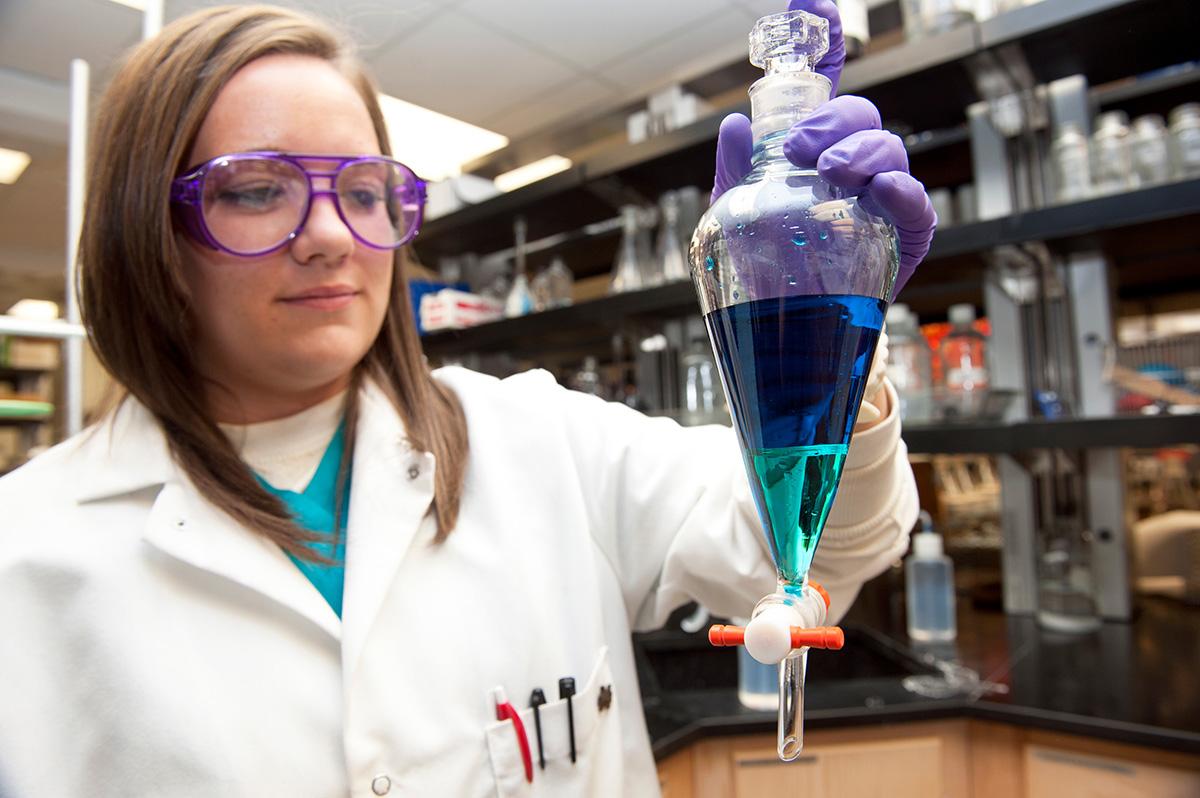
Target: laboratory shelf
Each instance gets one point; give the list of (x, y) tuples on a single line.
[(23, 421), (1176, 79), (537, 332), (926, 83), (1078, 433), (1103, 39), (1063, 226), (1072, 222), (20, 372)]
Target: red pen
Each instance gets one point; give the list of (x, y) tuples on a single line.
[(505, 711)]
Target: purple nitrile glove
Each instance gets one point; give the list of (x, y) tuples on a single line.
[(843, 139)]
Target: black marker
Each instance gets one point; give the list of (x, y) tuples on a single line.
[(536, 699), (566, 689)]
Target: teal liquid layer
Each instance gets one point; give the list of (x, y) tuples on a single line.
[(796, 486)]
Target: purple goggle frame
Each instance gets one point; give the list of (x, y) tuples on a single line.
[(187, 194)]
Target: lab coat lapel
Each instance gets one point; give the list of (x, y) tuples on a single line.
[(129, 453), (391, 492), (187, 527)]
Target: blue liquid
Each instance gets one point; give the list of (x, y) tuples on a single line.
[(794, 370)]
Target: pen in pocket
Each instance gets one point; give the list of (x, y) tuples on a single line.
[(536, 699), (566, 689)]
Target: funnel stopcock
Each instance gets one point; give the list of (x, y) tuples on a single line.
[(793, 41)]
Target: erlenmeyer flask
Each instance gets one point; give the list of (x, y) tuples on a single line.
[(627, 272), (671, 260), (794, 276)]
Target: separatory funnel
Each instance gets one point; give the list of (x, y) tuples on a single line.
[(794, 277)]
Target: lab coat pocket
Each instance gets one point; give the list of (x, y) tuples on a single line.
[(597, 770)]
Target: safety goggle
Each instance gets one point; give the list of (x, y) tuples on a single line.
[(252, 203)]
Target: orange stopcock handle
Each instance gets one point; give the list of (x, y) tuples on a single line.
[(830, 637), (817, 637)]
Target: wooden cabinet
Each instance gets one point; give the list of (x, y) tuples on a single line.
[(921, 760), (1056, 768), (675, 775), (943, 758)]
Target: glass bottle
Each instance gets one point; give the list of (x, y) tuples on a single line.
[(794, 276), (671, 260), (627, 272), (1151, 165), (587, 379), (1066, 586), (910, 364), (701, 396), (855, 30), (560, 282), (1072, 181), (539, 287), (926, 17), (1185, 141), (929, 588), (519, 299), (644, 248), (964, 363), (1112, 157)]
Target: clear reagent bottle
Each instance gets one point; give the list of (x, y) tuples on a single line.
[(929, 586), (964, 362), (910, 364)]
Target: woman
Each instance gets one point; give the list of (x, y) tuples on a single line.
[(176, 617)]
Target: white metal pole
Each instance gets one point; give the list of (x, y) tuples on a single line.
[(76, 177), (152, 18)]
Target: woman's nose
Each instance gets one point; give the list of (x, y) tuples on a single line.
[(325, 234)]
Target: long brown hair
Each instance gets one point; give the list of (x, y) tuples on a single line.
[(135, 302)]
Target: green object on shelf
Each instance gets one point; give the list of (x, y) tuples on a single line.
[(23, 408)]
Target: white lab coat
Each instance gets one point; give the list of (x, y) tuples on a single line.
[(153, 647)]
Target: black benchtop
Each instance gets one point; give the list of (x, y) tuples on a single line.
[(1135, 683)]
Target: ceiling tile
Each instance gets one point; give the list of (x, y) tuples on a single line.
[(575, 96), (459, 67), (587, 32), (719, 39), (42, 36), (371, 23)]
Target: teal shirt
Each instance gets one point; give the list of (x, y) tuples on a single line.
[(315, 509)]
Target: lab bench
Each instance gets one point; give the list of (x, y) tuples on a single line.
[(1120, 706)]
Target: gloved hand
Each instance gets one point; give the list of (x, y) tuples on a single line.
[(843, 139)]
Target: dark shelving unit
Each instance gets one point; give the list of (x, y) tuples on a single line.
[(14, 372), (542, 331), (1103, 39), (1062, 225), (1080, 433)]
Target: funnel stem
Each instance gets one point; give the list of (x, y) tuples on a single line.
[(791, 705)]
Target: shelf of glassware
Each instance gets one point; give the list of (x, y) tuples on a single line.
[(1075, 220), (897, 79), (1061, 224), (537, 330), (1068, 433)]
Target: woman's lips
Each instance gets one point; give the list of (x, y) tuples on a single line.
[(332, 297)]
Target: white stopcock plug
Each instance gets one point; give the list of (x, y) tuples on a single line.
[(781, 623)]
